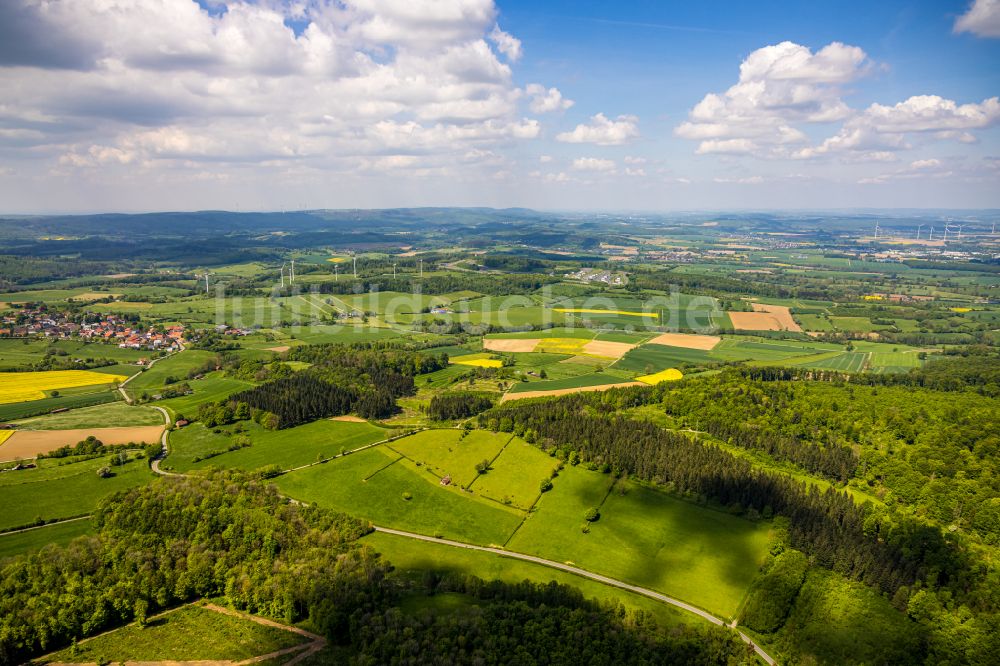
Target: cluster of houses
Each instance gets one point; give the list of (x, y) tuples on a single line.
[(592, 275), (111, 329)]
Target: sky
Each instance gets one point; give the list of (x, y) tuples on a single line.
[(142, 105)]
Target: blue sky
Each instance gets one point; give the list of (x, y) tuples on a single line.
[(569, 105)]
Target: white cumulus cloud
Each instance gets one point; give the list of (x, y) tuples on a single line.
[(603, 131), (779, 86), (545, 100), (982, 19), (593, 164)]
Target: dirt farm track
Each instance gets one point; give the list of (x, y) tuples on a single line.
[(29, 443)]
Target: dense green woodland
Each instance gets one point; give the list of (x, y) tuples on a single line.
[(224, 535), (932, 456), (362, 378)]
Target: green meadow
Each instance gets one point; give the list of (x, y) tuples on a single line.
[(698, 554), (63, 488), (196, 447)]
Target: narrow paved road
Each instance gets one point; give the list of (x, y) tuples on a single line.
[(585, 574), (121, 387), (155, 463)]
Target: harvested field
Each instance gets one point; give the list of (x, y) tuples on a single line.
[(548, 394), (348, 418), (687, 341), (93, 296), (753, 321), (607, 349), (781, 313), (764, 318), (29, 443), (511, 345), (279, 349)]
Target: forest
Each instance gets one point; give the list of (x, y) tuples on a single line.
[(939, 575)]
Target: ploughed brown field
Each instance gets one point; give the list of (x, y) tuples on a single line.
[(686, 340), (526, 345), (764, 318), (29, 443)]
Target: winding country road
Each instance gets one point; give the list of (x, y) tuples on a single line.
[(584, 574), (154, 464), (652, 594)]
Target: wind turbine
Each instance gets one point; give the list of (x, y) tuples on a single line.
[(206, 281), (291, 275), (355, 257), (932, 233), (282, 270), (876, 229), (919, 227), (960, 231)]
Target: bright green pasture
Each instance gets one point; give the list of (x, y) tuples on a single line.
[(292, 447), (853, 324), (212, 388), (371, 484), (516, 475), (19, 543), (97, 395), (412, 558), (660, 357), (703, 556), (100, 416), (449, 453), (327, 334), (63, 491), (16, 353), (177, 366), (846, 362), (812, 322), (188, 634), (595, 379)]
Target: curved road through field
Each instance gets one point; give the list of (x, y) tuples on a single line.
[(584, 574), (652, 594)]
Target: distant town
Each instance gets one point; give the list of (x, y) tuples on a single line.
[(108, 328)]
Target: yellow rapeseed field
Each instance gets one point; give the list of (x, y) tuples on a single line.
[(479, 362), (22, 386), (616, 312), (562, 345), (668, 375), (961, 310), (5, 435)]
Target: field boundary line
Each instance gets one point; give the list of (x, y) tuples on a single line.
[(583, 573), (60, 521)]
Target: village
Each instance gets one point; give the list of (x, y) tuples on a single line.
[(109, 328)]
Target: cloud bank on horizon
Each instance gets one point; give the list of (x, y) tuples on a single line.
[(152, 104)]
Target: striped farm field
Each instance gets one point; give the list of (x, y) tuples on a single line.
[(668, 375), (24, 386), (846, 362)]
